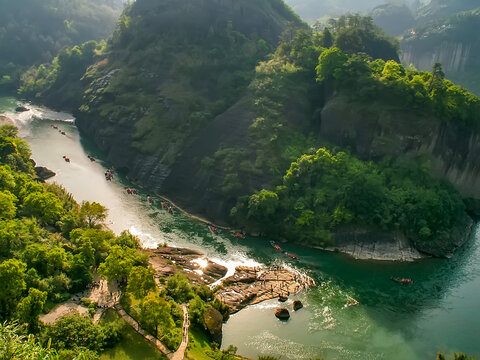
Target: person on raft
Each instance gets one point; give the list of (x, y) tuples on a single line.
[(402, 281)]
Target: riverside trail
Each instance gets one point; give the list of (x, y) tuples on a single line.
[(438, 312)]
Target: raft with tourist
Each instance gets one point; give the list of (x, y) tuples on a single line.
[(402, 280)]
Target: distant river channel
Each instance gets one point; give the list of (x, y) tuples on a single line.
[(439, 312)]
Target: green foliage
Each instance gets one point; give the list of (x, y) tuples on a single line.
[(329, 63), (120, 261), (155, 312), (94, 213), (355, 34), (75, 331), (16, 345), (7, 205), (33, 32), (140, 281), (127, 239), (93, 244), (390, 84), (12, 278), (196, 311), (45, 206), (326, 190), (59, 81), (30, 308), (179, 288)]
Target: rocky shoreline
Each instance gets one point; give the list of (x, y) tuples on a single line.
[(247, 286), (363, 244)]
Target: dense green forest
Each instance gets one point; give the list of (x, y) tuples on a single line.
[(324, 190), (33, 32), (50, 249)]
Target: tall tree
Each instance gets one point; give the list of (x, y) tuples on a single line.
[(94, 213), (155, 312), (140, 281), (12, 275), (29, 309)]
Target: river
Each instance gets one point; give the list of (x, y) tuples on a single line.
[(439, 312)]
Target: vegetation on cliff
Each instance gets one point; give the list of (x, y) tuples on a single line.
[(33, 32), (324, 191)]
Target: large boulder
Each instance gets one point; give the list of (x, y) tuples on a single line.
[(43, 173), (21, 108), (282, 313), (297, 305), (214, 322)]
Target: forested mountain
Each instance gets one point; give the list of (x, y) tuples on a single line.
[(394, 18), (33, 32), (437, 9), (185, 101), (311, 10)]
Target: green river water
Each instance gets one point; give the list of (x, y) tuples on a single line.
[(440, 311)]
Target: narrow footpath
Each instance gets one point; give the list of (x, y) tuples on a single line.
[(158, 344), (180, 353)]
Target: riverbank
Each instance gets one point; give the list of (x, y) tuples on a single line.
[(247, 286)]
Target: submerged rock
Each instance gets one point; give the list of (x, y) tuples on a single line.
[(282, 313), (297, 305)]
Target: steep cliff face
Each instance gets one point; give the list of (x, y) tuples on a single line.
[(454, 56), (452, 150), (451, 41)]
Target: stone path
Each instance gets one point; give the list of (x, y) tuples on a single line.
[(158, 344), (180, 353)]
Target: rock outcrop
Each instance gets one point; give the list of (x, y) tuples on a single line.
[(21, 108), (214, 322), (4, 120), (369, 244), (44, 173), (282, 313), (297, 305)]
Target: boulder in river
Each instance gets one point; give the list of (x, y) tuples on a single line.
[(21, 108), (282, 313), (214, 322), (297, 305), (43, 173)]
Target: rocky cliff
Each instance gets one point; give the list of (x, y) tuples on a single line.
[(451, 41), (453, 150)]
